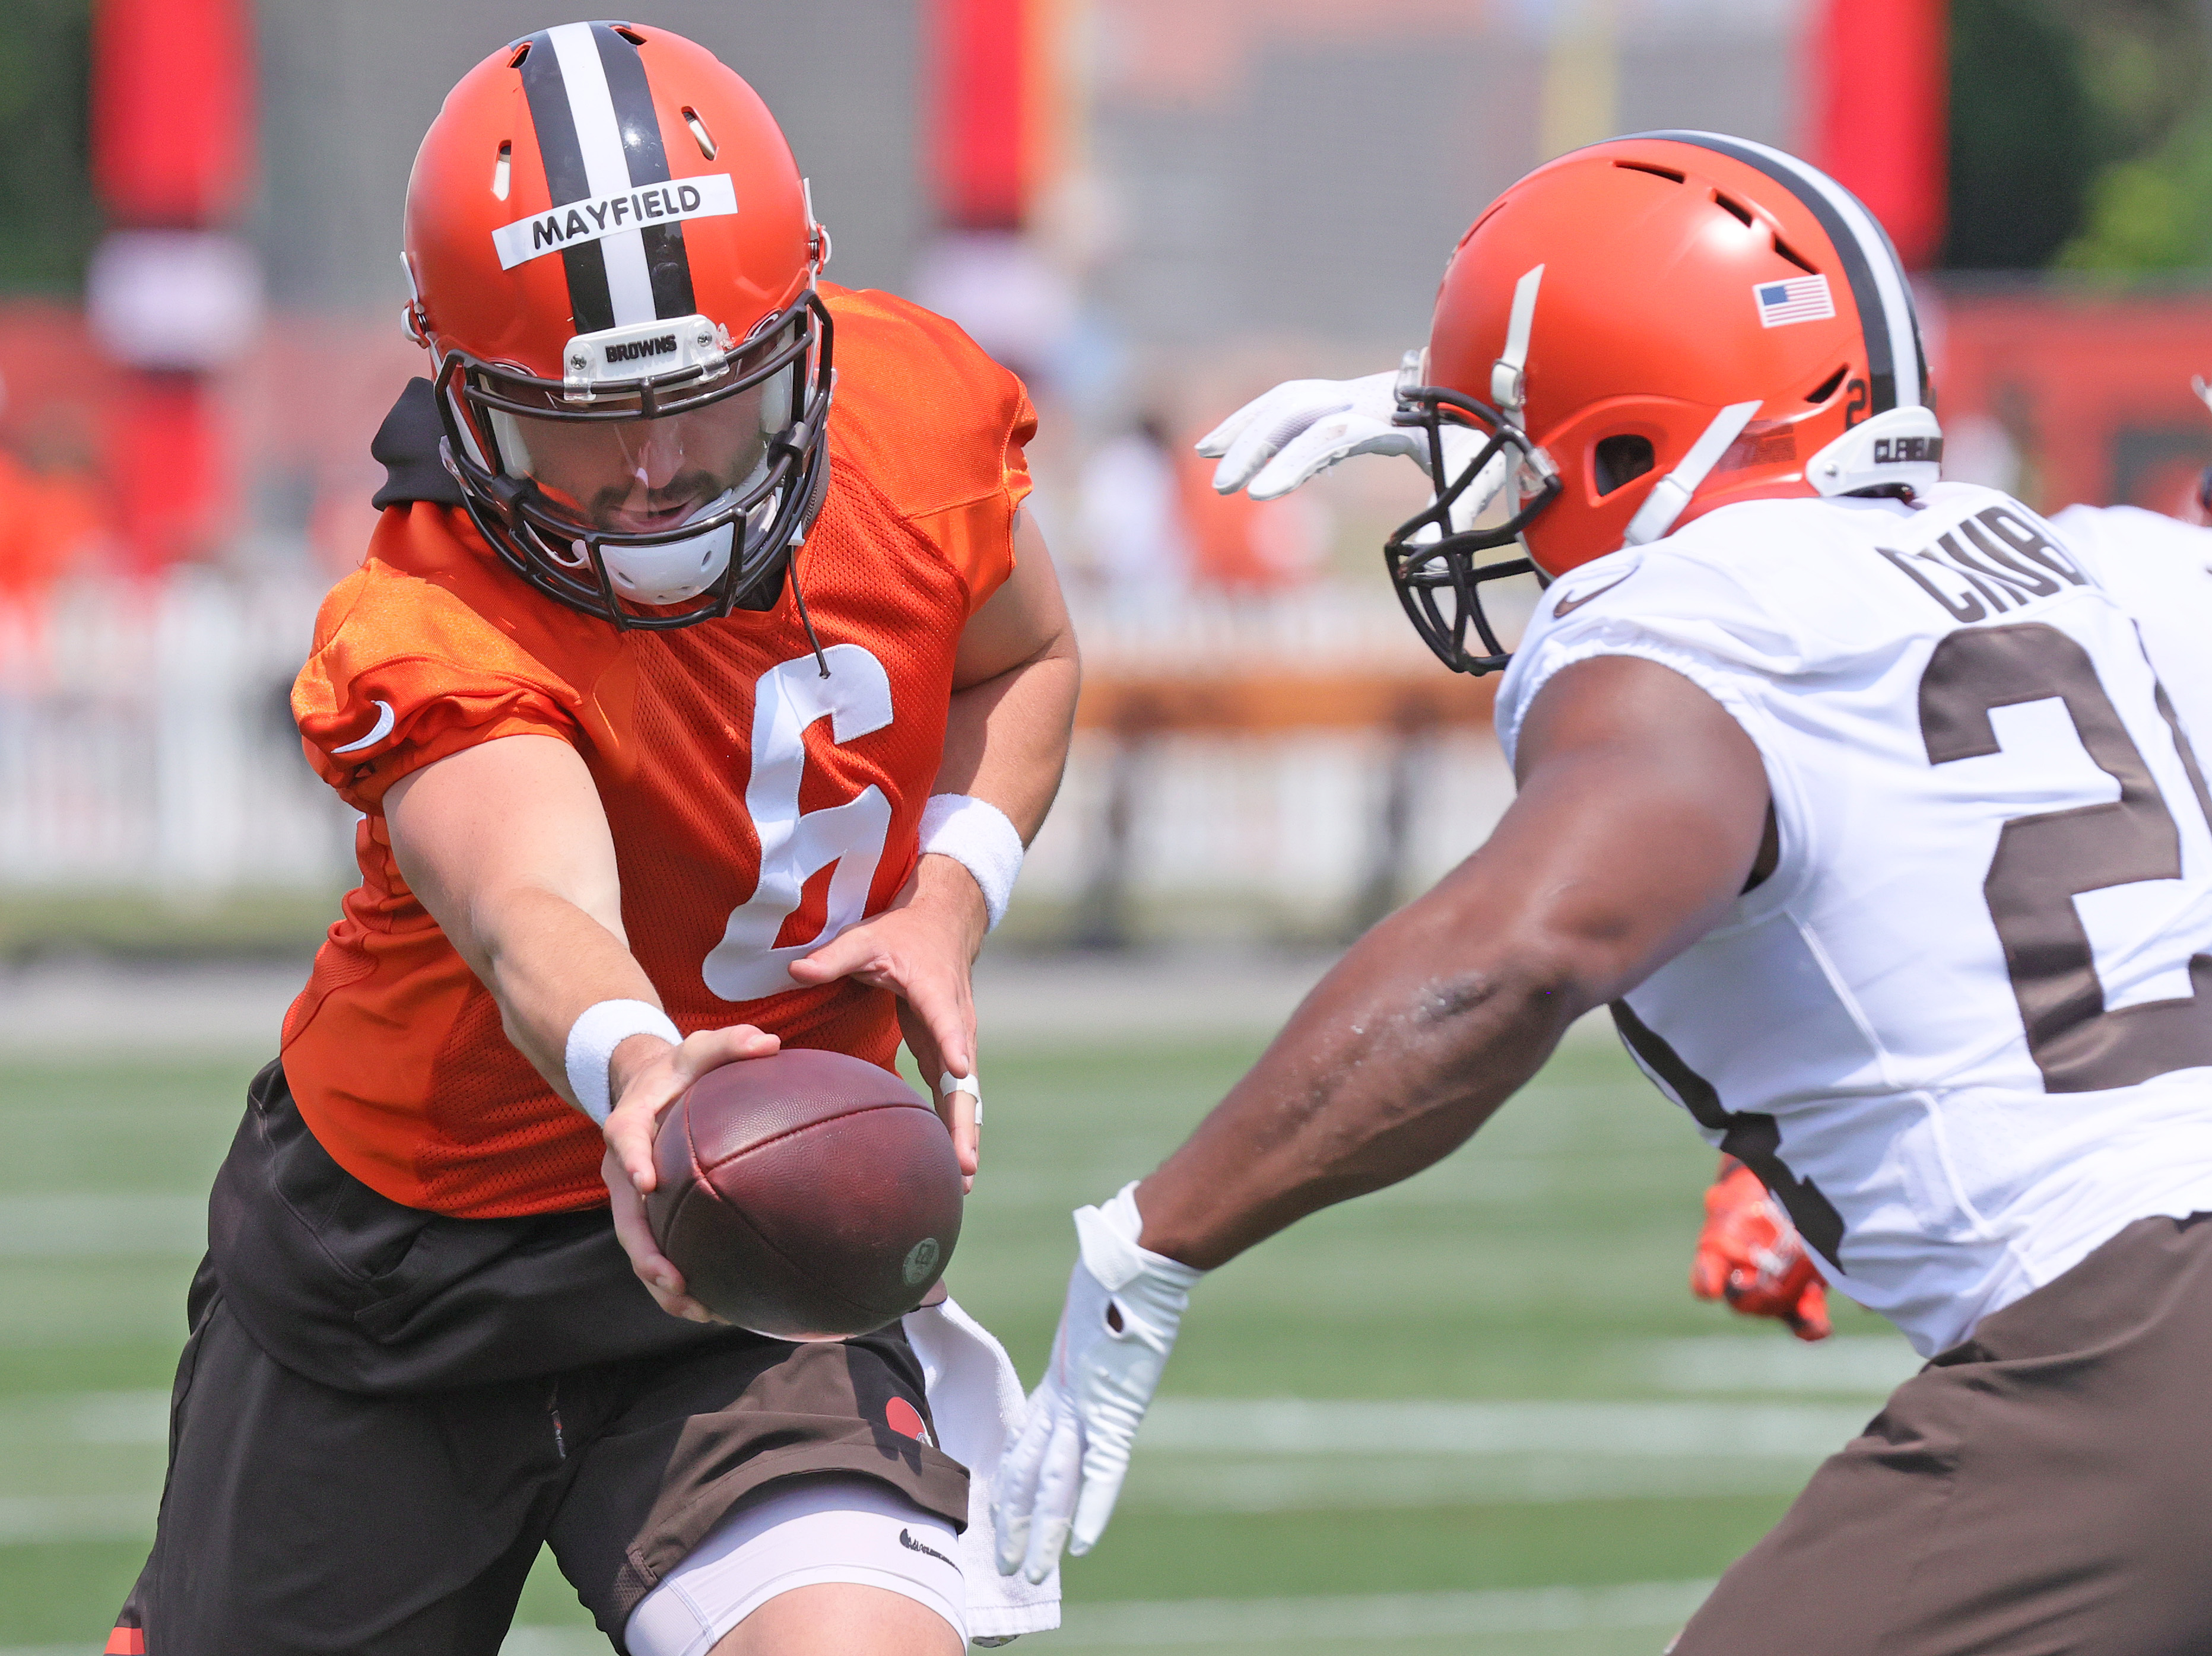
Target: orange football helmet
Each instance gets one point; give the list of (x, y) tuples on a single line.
[(613, 261), (1646, 330)]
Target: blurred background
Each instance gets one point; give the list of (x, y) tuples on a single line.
[(1478, 1413)]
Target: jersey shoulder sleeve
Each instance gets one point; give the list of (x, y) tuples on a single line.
[(2158, 570), (1775, 598), (2127, 549), (1685, 603), (424, 650), (937, 428)]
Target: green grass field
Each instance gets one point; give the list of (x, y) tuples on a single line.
[(1478, 1413)]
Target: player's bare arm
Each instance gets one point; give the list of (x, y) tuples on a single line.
[(1005, 744), (507, 846), (1641, 817), (1639, 820)]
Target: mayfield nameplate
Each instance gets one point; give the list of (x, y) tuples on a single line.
[(575, 222)]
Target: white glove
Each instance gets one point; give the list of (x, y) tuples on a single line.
[(1294, 433), (1066, 1458)]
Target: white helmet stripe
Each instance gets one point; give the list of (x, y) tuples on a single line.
[(606, 166), (1870, 263)]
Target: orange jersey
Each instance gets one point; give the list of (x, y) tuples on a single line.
[(757, 808)]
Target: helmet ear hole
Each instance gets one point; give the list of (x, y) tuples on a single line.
[(1620, 460)]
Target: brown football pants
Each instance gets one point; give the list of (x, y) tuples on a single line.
[(2043, 1490)]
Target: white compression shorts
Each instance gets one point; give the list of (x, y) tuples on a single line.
[(820, 1529)]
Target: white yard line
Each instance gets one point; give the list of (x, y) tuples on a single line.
[(90, 1417), (1346, 1619), (1299, 1426), (1870, 1364), (1373, 1617), (102, 1226), (65, 1009), (75, 1518), (1401, 1482), (1219, 1454)]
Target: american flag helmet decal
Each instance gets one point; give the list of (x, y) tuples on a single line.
[(1896, 367), (1799, 299)]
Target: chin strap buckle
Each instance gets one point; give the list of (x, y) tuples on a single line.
[(1508, 375), (1412, 375), (818, 233)]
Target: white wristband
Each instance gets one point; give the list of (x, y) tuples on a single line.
[(592, 1039), (976, 834)]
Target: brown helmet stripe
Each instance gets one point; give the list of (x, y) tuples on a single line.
[(1897, 369), (591, 305), (647, 157)]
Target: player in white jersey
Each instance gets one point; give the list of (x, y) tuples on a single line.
[(1868, 804), (2160, 570)]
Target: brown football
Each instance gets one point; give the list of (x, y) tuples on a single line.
[(807, 1195)]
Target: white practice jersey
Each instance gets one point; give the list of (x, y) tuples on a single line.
[(1964, 1029)]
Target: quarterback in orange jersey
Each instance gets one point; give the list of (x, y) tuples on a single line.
[(699, 689)]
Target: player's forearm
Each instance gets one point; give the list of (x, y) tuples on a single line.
[(1396, 1056), (507, 846), (1638, 819), (1005, 739), (546, 962)]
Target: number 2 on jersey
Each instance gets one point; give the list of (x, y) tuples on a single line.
[(2043, 862), (855, 697)]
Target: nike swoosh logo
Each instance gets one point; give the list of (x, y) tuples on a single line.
[(1571, 602), (384, 722), (906, 1540)]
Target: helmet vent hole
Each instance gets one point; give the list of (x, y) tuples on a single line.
[(1826, 388), (1730, 205), (502, 169), (629, 34), (1620, 460), (1666, 173), (1783, 249), (520, 52), (706, 139)]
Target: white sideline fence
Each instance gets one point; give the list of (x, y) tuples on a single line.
[(146, 745)]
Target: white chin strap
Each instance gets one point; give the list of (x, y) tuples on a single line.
[(674, 570), (1672, 492), (1902, 447)]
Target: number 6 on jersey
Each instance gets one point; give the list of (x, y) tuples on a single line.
[(856, 698)]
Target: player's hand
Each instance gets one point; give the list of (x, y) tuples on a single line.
[(1751, 1256), (648, 1076), (1065, 1460), (922, 948), (1292, 434)]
